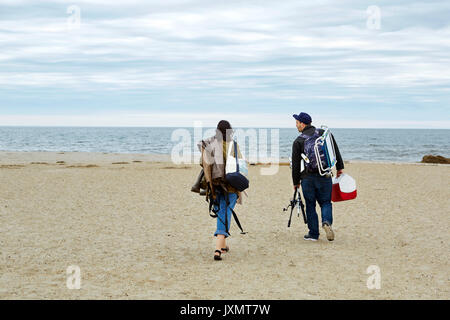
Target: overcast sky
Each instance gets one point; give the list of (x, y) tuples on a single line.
[(254, 62)]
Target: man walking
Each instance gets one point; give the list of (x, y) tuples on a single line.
[(314, 186)]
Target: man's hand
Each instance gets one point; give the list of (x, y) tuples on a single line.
[(339, 173), (296, 186)]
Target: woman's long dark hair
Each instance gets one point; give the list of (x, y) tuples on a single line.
[(224, 128)]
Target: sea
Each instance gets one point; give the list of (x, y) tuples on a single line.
[(382, 145)]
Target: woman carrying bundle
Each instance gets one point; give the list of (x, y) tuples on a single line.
[(221, 194)]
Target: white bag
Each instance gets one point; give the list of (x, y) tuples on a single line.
[(231, 161)]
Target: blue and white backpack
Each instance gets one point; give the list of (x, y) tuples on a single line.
[(319, 154)]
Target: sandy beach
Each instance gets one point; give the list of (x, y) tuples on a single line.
[(136, 231)]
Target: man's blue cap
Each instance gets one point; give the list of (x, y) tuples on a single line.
[(303, 117)]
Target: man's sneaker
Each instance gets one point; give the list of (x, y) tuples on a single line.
[(309, 237), (328, 231)]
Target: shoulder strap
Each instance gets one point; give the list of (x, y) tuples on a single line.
[(237, 221), (236, 156), (305, 136), (234, 216), (230, 146)]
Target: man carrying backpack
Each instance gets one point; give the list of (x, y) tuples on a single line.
[(314, 186)]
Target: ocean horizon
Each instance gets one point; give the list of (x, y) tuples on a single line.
[(396, 145)]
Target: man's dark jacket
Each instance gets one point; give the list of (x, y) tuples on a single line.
[(298, 149)]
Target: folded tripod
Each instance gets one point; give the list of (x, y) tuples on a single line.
[(296, 202)]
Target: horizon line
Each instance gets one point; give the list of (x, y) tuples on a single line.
[(209, 127)]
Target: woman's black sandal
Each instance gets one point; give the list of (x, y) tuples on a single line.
[(218, 258), (225, 249)]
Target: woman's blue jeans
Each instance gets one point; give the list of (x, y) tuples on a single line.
[(223, 212), (317, 188)]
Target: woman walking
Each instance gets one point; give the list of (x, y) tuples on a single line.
[(221, 194)]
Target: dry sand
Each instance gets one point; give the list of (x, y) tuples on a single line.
[(137, 232)]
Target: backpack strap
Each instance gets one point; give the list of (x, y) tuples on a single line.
[(234, 215), (237, 221)]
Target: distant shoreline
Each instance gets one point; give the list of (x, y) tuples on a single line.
[(27, 157), (208, 127)]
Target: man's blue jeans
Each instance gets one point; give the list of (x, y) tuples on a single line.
[(317, 188)]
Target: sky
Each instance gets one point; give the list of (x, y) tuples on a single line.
[(350, 64)]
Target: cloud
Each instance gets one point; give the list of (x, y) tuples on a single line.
[(270, 50), (180, 119)]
